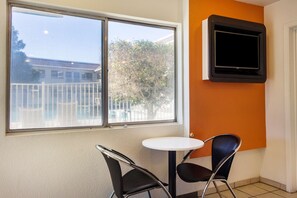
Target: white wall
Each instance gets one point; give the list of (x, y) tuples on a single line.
[(66, 163), (276, 16)]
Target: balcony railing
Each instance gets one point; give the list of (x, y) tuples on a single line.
[(70, 104)]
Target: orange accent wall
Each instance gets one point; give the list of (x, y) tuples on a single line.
[(217, 108)]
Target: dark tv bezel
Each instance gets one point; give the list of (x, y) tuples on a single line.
[(236, 74)]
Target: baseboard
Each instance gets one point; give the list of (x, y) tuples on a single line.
[(273, 183)]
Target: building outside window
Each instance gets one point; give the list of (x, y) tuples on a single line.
[(56, 80), (54, 74), (87, 76), (68, 76), (41, 73), (76, 76), (60, 75)]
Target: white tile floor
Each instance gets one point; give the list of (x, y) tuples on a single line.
[(255, 190)]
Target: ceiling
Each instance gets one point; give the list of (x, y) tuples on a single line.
[(259, 2)]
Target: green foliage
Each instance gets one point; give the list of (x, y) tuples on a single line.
[(20, 70), (143, 72)]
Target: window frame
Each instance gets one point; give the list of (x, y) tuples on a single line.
[(105, 18), (175, 73)]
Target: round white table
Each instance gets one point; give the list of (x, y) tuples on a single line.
[(172, 144)]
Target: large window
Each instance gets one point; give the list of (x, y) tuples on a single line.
[(64, 73), (141, 73)]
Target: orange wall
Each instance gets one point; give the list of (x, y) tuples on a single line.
[(217, 108)]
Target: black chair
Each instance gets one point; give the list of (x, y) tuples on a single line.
[(224, 148), (136, 180)]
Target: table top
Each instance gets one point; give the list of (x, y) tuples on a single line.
[(173, 143)]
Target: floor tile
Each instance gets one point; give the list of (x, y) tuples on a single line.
[(285, 194), (214, 195), (190, 195), (238, 193), (255, 190), (252, 190), (269, 195), (265, 186)]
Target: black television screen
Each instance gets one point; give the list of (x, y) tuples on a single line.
[(236, 50)]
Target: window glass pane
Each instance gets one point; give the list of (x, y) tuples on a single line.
[(141, 73), (49, 53)]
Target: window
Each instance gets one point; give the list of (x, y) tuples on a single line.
[(141, 73), (54, 42), (68, 76), (140, 82), (40, 73), (57, 74), (87, 76), (76, 76), (60, 75), (54, 74)]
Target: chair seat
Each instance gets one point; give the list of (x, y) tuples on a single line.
[(136, 181), (189, 172)]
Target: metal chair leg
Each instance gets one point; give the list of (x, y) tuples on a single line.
[(112, 194), (149, 194), (205, 188), (218, 191), (230, 189)]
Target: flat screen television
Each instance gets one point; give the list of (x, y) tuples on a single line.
[(234, 50)]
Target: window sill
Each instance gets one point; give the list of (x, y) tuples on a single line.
[(92, 130)]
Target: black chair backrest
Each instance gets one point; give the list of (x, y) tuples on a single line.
[(115, 172), (222, 147)]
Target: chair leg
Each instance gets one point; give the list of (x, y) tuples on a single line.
[(218, 191), (205, 188), (149, 194), (112, 194), (230, 189)]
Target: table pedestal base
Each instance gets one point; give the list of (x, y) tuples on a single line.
[(172, 172)]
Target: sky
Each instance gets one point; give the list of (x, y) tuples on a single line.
[(71, 38)]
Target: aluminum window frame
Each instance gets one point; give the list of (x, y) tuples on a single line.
[(175, 73), (105, 18)]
